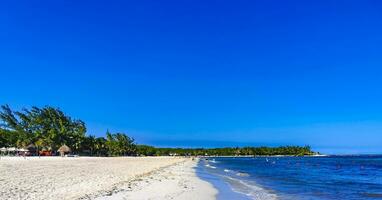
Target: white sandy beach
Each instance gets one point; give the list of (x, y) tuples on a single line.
[(101, 178)]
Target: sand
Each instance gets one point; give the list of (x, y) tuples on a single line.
[(101, 178), (175, 182)]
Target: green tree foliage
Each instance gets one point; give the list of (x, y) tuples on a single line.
[(120, 144), (228, 151), (46, 127), (7, 138), (146, 150), (49, 128), (88, 145), (100, 148)]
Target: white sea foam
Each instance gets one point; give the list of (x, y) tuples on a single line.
[(242, 174), (214, 161), (210, 166), (250, 189)]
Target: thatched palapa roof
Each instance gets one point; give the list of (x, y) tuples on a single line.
[(64, 148)]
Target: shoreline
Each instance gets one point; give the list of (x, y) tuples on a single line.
[(102, 178), (178, 181), (225, 190), (233, 183)]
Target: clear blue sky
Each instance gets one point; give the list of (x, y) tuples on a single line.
[(202, 73)]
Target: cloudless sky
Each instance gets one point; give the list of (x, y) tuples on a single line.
[(202, 73)]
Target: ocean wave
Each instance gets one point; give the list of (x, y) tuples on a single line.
[(210, 166), (249, 189), (243, 174), (237, 173)]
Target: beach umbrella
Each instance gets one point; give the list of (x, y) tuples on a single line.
[(23, 150), (12, 149)]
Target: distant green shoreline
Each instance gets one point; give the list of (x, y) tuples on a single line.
[(260, 156), (228, 151), (48, 131)]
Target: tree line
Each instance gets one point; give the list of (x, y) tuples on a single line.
[(226, 151), (48, 128)]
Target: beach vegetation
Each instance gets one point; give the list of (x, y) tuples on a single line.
[(49, 128)]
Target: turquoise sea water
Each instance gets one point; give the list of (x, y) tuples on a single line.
[(295, 178)]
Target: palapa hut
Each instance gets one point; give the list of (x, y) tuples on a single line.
[(64, 150), (12, 151), (3, 150)]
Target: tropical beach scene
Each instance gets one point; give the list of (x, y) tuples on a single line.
[(190, 100)]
